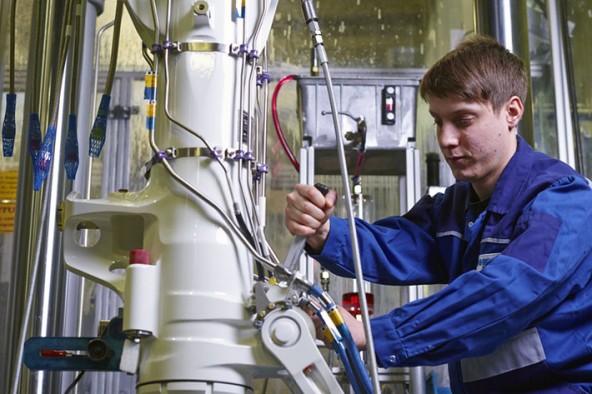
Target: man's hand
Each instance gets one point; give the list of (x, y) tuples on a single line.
[(355, 326), (307, 214)]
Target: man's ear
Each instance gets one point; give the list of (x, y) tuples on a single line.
[(514, 111)]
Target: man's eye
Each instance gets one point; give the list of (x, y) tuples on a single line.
[(463, 122)]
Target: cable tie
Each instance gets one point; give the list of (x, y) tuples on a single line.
[(243, 48), (249, 156)]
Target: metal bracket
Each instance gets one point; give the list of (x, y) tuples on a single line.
[(101, 353)]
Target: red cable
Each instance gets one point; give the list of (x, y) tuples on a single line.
[(358, 168), (276, 121)]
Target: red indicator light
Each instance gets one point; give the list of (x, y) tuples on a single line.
[(351, 302), (54, 353), (389, 104)]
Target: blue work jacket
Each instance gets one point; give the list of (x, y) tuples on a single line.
[(516, 314)]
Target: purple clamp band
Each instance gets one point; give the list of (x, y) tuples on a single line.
[(254, 54), (263, 168), (258, 173), (156, 48), (263, 77), (216, 153), (160, 156), (157, 158), (239, 154)]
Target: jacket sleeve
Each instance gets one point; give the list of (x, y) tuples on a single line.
[(548, 261), (394, 251)]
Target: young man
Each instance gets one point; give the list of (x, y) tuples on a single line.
[(511, 239)]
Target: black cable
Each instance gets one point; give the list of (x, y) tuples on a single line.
[(245, 230), (12, 56), (74, 383)]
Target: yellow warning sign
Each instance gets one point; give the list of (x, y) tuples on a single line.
[(7, 212), (8, 186)]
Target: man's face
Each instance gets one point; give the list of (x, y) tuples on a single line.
[(476, 142)]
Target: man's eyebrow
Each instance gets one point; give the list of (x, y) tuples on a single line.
[(462, 111)]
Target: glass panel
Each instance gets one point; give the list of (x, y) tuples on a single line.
[(578, 14), (543, 102)]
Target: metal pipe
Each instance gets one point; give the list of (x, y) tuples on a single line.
[(570, 86), (506, 21), (27, 207), (5, 239), (563, 103), (36, 245), (312, 23), (87, 88), (75, 294)]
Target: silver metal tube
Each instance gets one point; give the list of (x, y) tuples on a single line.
[(37, 275), (506, 21), (412, 194), (312, 23), (28, 204), (565, 130), (86, 98), (5, 239)]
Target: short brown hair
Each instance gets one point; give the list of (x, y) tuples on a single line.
[(480, 69)]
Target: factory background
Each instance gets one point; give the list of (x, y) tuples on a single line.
[(368, 40)]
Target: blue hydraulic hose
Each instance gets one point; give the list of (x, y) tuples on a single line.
[(358, 366), (337, 345), (34, 136), (43, 162), (71, 160), (353, 354), (99, 130), (9, 125), (349, 371)]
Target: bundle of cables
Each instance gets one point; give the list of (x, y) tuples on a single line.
[(338, 335)]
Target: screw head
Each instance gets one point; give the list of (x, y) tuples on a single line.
[(201, 7)]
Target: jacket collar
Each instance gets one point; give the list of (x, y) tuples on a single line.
[(512, 179)]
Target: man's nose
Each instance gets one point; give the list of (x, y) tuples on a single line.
[(448, 135)]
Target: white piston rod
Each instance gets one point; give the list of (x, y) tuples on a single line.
[(199, 335)]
